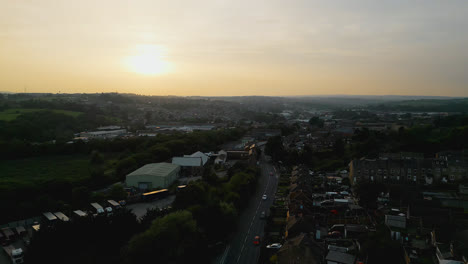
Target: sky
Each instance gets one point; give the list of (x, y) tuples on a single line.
[(231, 48)]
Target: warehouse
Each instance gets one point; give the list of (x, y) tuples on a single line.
[(153, 175)]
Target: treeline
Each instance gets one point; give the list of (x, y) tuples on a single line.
[(449, 133), (110, 161), (46, 125)]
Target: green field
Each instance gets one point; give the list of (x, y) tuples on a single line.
[(43, 169), (12, 114)]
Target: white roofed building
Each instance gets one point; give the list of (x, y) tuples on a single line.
[(190, 166)]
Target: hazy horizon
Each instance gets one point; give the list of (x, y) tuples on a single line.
[(242, 48)]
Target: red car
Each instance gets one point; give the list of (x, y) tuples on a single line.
[(256, 240)]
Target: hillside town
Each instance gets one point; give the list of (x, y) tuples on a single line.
[(316, 186)]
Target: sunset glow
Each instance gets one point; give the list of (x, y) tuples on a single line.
[(240, 47), (150, 60)]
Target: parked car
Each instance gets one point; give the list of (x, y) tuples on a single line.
[(274, 245)]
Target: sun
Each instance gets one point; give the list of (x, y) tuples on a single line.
[(150, 60)]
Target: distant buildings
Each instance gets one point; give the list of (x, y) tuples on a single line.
[(103, 134), (411, 167)]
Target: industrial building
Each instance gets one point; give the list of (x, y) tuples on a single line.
[(153, 175)]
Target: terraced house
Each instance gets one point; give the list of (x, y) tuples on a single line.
[(406, 170)]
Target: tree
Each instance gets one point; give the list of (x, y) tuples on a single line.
[(117, 192), (316, 121), (339, 147), (96, 158), (274, 148), (80, 196), (368, 193), (175, 238)]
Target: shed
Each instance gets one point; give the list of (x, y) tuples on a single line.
[(153, 175)]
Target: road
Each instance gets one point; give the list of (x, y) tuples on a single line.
[(241, 249)]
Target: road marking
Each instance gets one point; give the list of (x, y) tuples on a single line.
[(253, 219), (223, 259)]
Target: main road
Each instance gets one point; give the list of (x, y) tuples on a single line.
[(241, 248)]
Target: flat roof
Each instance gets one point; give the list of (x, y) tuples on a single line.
[(96, 206), (80, 213), (113, 203), (20, 229), (188, 161), (62, 216), (155, 169), (50, 216)]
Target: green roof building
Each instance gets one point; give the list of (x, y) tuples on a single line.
[(153, 175)]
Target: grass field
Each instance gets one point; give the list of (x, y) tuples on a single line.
[(42, 169), (12, 114)]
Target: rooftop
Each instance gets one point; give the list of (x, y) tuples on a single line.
[(155, 169), (188, 161), (340, 257)]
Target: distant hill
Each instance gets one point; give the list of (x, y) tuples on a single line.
[(425, 105)]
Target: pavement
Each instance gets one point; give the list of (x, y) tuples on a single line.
[(139, 209), (241, 248)]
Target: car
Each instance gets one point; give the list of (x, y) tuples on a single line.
[(256, 240), (262, 215), (334, 234), (271, 173), (264, 197), (274, 245)]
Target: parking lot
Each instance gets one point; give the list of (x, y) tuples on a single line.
[(139, 209)]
